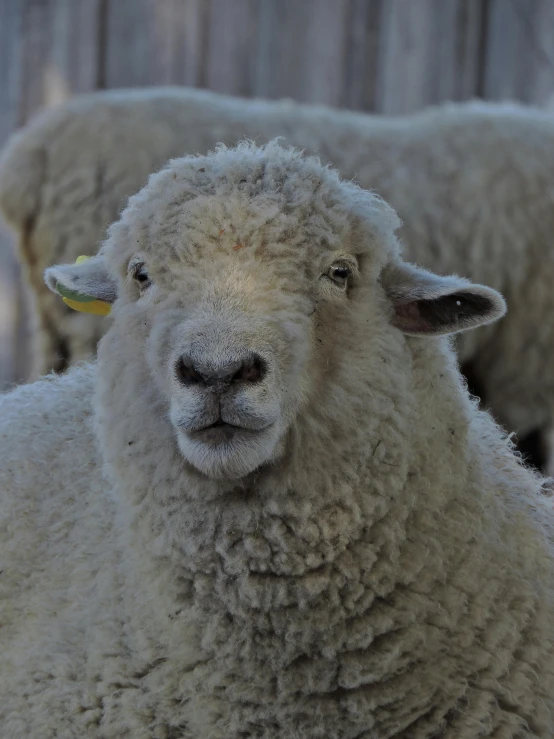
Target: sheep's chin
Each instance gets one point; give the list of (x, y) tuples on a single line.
[(232, 459)]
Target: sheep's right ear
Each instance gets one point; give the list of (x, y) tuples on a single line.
[(85, 286), (426, 304)]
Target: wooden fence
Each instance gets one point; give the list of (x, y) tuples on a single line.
[(390, 56)]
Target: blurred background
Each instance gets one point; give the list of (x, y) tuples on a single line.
[(382, 56)]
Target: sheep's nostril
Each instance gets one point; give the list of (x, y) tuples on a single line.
[(253, 370), (186, 374)]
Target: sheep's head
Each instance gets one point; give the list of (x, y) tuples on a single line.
[(246, 282)]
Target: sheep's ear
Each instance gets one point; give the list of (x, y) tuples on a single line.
[(425, 304), (85, 286)]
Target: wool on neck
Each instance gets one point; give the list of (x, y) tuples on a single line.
[(314, 581)]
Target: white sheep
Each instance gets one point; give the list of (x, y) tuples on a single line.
[(473, 183), (270, 509)]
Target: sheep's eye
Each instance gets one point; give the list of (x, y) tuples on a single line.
[(141, 276), (339, 273)]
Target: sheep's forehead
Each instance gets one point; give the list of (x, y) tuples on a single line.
[(238, 229), (247, 204)]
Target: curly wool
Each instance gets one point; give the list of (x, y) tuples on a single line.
[(390, 576), (472, 183)]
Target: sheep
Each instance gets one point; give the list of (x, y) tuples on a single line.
[(270, 508), (472, 182)]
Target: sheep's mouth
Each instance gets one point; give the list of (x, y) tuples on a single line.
[(223, 450), (221, 431), (220, 423)]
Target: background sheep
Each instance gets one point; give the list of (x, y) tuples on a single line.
[(306, 527), (472, 182)]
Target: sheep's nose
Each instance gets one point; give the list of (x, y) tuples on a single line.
[(249, 369)]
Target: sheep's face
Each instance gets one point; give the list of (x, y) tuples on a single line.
[(241, 328), (232, 349), (249, 283)]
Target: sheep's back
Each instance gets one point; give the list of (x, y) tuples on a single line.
[(55, 526), (49, 474)]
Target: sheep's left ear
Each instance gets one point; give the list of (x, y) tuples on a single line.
[(425, 304), (85, 286)]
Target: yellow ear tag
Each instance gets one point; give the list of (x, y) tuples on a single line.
[(96, 307), (83, 303)]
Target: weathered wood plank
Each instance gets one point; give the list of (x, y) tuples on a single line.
[(538, 35), (140, 41), (325, 47), (359, 82), (232, 46), (519, 57), (454, 56), (59, 54), (187, 28), (76, 43), (281, 44), (59, 51), (430, 52), (36, 21), (10, 34), (10, 69), (506, 62), (301, 50), (132, 58), (468, 57), (402, 63), (9, 291)]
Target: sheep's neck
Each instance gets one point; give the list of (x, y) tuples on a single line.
[(287, 588), (310, 583), (325, 601)]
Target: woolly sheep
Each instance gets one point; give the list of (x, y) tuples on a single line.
[(270, 509), (473, 183)]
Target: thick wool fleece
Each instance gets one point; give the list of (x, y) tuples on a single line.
[(390, 575), (472, 182)]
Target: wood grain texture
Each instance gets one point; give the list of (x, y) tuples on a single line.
[(231, 46), (390, 56), (48, 51), (429, 51), (519, 61), (188, 37), (362, 43), (11, 326), (59, 52)]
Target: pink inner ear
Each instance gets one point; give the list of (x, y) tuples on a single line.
[(408, 317)]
